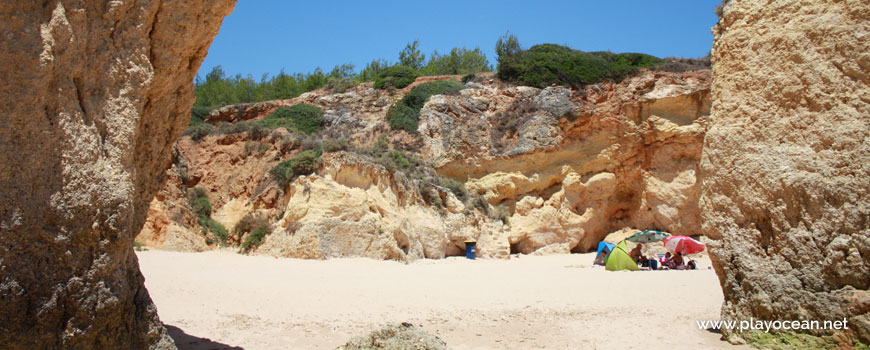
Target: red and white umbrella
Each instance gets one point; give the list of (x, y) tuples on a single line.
[(684, 245)]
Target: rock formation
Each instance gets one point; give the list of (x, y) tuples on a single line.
[(573, 166), (547, 171), (94, 95), (785, 163), (355, 208), (394, 337)]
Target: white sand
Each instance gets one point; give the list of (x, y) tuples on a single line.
[(531, 302)]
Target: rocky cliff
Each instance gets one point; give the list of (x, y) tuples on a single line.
[(94, 95), (545, 170), (785, 163), (573, 166)]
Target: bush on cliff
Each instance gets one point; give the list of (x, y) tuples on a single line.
[(305, 163), (198, 114), (395, 77), (253, 228), (303, 117), (254, 238), (458, 61), (458, 188), (198, 132), (547, 64), (201, 206), (405, 114)]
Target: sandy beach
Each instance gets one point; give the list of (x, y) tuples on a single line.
[(226, 300)]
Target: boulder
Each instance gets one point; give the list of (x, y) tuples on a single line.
[(94, 95), (395, 337), (784, 168)]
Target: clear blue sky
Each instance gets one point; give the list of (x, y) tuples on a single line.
[(264, 36)]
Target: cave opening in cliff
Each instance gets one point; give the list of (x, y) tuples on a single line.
[(455, 249)]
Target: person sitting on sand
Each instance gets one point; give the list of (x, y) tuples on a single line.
[(676, 262), (665, 261), (636, 254)]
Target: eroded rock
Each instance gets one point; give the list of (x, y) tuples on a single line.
[(556, 169), (395, 337), (785, 163), (353, 207), (95, 93)]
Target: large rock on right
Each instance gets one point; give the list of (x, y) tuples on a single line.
[(785, 168)]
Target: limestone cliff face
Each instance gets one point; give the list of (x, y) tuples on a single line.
[(94, 95), (547, 171), (353, 207), (573, 166), (785, 163)]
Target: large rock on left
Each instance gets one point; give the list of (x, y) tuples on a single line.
[(94, 93)]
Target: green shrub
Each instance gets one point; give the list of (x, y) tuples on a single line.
[(305, 163), (468, 77), (546, 64), (198, 132), (274, 122), (232, 128), (373, 69), (459, 61), (257, 131), (303, 117), (395, 77), (382, 144), (340, 85), (334, 145), (420, 93), (458, 188), (201, 207), (255, 147), (402, 160), (216, 228), (405, 114), (394, 160), (245, 225), (249, 224), (199, 203), (198, 114), (402, 117), (254, 238)]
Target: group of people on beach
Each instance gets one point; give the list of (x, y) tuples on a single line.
[(668, 262)]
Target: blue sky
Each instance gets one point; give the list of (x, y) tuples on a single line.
[(264, 36)]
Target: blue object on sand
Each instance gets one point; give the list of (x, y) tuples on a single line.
[(470, 249)]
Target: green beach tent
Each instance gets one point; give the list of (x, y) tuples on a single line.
[(620, 260)]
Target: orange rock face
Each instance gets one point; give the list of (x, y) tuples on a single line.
[(95, 94), (784, 166), (547, 171)]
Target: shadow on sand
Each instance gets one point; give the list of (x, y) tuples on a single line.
[(186, 341)]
